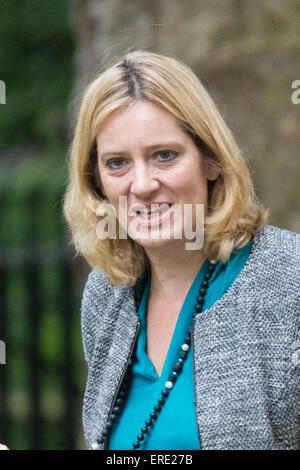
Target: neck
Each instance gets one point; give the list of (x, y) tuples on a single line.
[(173, 270)]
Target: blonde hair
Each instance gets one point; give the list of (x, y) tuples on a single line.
[(234, 212)]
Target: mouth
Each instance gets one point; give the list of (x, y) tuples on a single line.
[(156, 214), (156, 210)]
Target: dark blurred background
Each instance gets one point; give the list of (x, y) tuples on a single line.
[(246, 54)]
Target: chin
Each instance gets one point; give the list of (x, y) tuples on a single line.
[(156, 242), (152, 243)]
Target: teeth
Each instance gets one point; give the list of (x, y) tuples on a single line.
[(151, 214), (146, 215)]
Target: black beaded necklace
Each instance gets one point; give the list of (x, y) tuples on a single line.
[(177, 369)]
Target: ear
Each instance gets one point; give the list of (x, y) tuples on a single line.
[(212, 175), (211, 172)]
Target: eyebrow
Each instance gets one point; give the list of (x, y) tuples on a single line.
[(147, 148)]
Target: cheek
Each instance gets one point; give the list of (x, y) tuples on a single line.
[(188, 182), (179, 179), (192, 190), (113, 187)]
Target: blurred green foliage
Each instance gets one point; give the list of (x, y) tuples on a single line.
[(31, 201), (36, 63)]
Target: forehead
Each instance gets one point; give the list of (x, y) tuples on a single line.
[(143, 118)]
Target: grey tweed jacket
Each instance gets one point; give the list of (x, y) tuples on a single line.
[(246, 351)]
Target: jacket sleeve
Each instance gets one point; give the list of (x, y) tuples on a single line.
[(90, 304), (86, 330)]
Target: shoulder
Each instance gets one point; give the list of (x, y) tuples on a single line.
[(96, 287), (272, 275), (276, 248), (97, 299), (100, 307), (98, 290), (274, 261), (99, 296), (274, 237), (269, 283)]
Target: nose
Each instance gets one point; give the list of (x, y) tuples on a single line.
[(144, 182)]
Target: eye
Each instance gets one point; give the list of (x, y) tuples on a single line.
[(114, 163), (167, 155)]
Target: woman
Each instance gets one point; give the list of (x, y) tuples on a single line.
[(188, 346)]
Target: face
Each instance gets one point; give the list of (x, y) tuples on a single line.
[(145, 156)]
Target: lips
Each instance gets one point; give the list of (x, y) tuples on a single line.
[(155, 208), (154, 211), (151, 218)]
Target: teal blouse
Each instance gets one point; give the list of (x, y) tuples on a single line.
[(176, 425)]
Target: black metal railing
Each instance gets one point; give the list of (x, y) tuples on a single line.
[(41, 382)]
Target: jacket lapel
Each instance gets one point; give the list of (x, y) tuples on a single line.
[(107, 376)]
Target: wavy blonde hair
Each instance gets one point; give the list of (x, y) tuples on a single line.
[(234, 213)]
